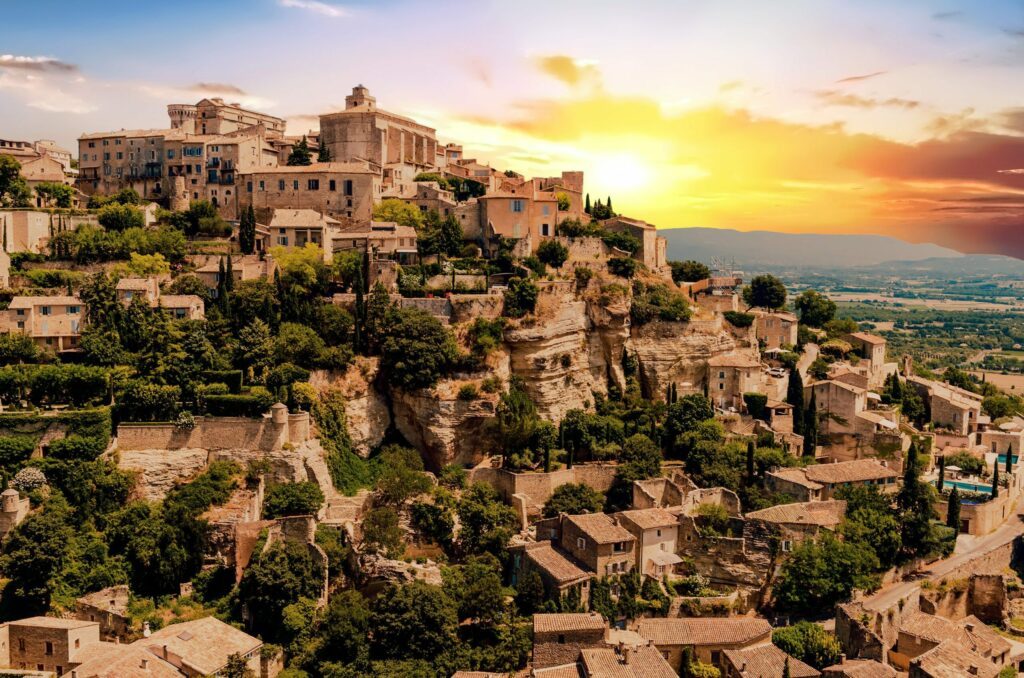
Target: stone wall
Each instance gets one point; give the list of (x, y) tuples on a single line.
[(216, 433), (467, 307), (537, 488), (563, 647)]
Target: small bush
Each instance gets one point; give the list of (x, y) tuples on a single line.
[(491, 385), (253, 404), (520, 298), (232, 378), (292, 499), (622, 267), (469, 392), (739, 319)]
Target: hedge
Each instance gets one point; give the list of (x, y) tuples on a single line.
[(77, 448), (76, 385), (757, 405), (15, 449), (738, 319), (88, 422), (252, 405), (141, 401), (232, 378)]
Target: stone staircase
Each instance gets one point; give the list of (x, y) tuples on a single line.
[(338, 508)]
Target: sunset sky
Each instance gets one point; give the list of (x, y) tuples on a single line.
[(902, 118)]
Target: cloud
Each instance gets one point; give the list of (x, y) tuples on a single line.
[(946, 124), (836, 98), (322, 8), (946, 16), (35, 64), (730, 86), (217, 88), (567, 69), (1011, 171), (859, 78), (1012, 119)]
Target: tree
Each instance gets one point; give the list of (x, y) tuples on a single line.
[(623, 267), (995, 480), (953, 510), (255, 348), (55, 193), (292, 499), (689, 271), (817, 575), (14, 190), (414, 621), (247, 230), (417, 349), (553, 253), (344, 630), (477, 590), (915, 506), (808, 642), (301, 154), (815, 309), (810, 426), (685, 414), (236, 668), (487, 522), (750, 461), (401, 477), (33, 556), (765, 291), (398, 211), (520, 298), (530, 592), (586, 207), (573, 499), (323, 153), (382, 532), (795, 397), (116, 217), (281, 575)]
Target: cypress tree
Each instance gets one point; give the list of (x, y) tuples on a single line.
[(247, 230), (995, 482), (360, 312), (953, 510), (586, 207), (750, 460), (914, 505), (942, 472), (811, 427), (1009, 459), (229, 276), (324, 154), (795, 397), (610, 212)]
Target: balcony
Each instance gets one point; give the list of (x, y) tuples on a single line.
[(213, 162), (227, 179)]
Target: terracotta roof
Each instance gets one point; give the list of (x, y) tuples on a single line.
[(637, 662), (553, 562), (704, 630), (110, 660), (573, 621), (797, 476), (142, 284), (970, 632), (859, 668), (867, 338), (950, 659), (822, 513), (112, 599), (179, 300), (127, 133), (734, 360), (52, 623), (647, 519), (848, 471), (563, 671), (601, 528), (767, 661), (29, 302), (299, 217), (204, 645)]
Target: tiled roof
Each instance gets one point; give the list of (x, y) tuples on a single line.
[(767, 661), (950, 659), (601, 528), (704, 630), (859, 668), (128, 133), (203, 644), (848, 471), (52, 623), (110, 660), (647, 519), (555, 563), (795, 475), (299, 217), (867, 338), (134, 284), (822, 513), (970, 632), (179, 300), (573, 621), (563, 671), (29, 302), (638, 662)]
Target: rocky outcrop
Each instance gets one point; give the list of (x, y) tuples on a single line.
[(442, 427), (366, 409), (160, 470), (677, 352), (376, 571)]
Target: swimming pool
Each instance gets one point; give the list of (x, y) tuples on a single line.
[(1002, 460), (964, 485)]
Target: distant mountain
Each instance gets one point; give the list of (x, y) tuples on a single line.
[(815, 250), (969, 264)]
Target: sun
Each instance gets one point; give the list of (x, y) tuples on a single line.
[(620, 174)]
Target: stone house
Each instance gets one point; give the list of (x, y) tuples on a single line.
[(297, 227), (708, 637), (243, 267), (622, 661), (13, 509), (46, 643), (23, 230), (214, 116), (560, 575), (653, 249), (820, 481), (999, 442), (730, 375), (180, 306), (869, 347), (794, 523), (952, 408), (859, 668), (764, 661), (920, 632), (385, 239), (776, 329), (427, 196), (558, 638), (657, 533), (53, 322), (598, 542), (851, 409), (109, 608), (951, 658), (520, 214), (338, 189)]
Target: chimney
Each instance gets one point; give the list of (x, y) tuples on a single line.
[(973, 669), (164, 652), (626, 652), (969, 626), (842, 658), (145, 630), (144, 664)]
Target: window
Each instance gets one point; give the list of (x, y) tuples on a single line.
[(561, 639), (73, 310), (313, 185), (518, 205), (49, 649), (581, 543), (106, 156), (248, 186), (787, 545), (332, 185), (545, 229), (546, 210), (282, 240), (45, 310), (721, 375), (21, 644), (619, 547), (295, 185), (659, 533), (721, 386), (263, 186), (92, 144), (280, 185), (348, 187)]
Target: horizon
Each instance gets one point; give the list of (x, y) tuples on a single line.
[(912, 116)]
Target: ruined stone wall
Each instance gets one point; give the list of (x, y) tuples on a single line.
[(214, 433), (537, 488), (467, 307)]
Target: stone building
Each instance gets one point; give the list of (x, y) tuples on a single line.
[(952, 409), (520, 213), (859, 668), (31, 230), (598, 542), (776, 329), (385, 239), (109, 608), (13, 509), (819, 482), (791, 524), (179, 306), (560, 574), (297, 227), (53, 322), (920, 632), (730, 375), (400, 146), (764, 661), (951, 658), (657, 533), (46, 643), (558, 638), (243, 267), (653, 252), (707, 637), (338, 189), (213, 116)]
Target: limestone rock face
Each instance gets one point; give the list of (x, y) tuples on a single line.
[(678, 352), (366, 409), (443, 428), (160, 470)]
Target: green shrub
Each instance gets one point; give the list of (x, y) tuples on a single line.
[(553, 253), (485, 335), (468, 392), (292, 499), (77, 448), (757, 405), (141, 401), (232, 378), (739, 319), (491, 384), (520, 298), (15, 449), (622, 267), (253, 404), (658, 301)]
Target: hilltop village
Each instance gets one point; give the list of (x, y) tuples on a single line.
[(354, 403)]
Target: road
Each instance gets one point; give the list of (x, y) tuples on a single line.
[(809, 355), (887, 596)]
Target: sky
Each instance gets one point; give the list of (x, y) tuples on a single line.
[(899, 118)]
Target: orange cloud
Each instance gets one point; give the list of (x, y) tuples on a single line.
[(567, 69)]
